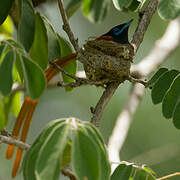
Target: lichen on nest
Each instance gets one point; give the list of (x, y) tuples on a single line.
[(107, 61)]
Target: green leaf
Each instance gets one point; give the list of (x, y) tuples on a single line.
[(7, 27), (8, 104), (65, 46), (169, 9), (54, 50), (5, 109), (34, 76), (156, 76), (94, 10), (95, 130), (33, 153), (104, 165), (19, 67), (50, 155), (7, 101), (144, 172), (85, 157), (66, 157), (150, 177), (27, 24), (17, 46), (2, 114), (171, 98), (5, 50), (39, 50), (162, 85), (122, 172), (72, 7), (135, 5), (6, 77), (70, 68), (1, 49), (131, 5), (16, 104), (120, 4), (149, 170), (140, 175), (5, 7), (176, 116)]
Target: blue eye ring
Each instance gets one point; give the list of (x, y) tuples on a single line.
[(116, 31)]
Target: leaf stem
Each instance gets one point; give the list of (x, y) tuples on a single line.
[(169, 176)]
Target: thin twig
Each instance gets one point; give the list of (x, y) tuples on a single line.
[(134, 80), (68, 173), (63, 71), (162, 50), (12, 141), (105, 98), (66, 26), (4, 132), (144, 23), (16, 88), (79, 81), (169, 176)]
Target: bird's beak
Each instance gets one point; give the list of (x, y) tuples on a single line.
[(129, 22)]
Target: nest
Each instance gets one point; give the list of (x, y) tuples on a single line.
[(107, 61)]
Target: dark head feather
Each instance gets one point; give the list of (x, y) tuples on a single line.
[(119, 33)]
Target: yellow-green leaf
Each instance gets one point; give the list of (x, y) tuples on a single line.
[(5, 7)]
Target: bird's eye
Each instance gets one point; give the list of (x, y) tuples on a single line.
[(116, 31)]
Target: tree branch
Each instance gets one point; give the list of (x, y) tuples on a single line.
[(66, 26), (105, 98), (162, 50), (144, 23), (12, 141), (68, 173), (16, 88)]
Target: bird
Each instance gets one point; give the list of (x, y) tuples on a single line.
[(118, 33)]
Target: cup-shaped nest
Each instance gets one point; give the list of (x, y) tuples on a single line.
[(107, 61)]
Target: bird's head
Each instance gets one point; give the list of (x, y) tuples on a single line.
[(119, 33)]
